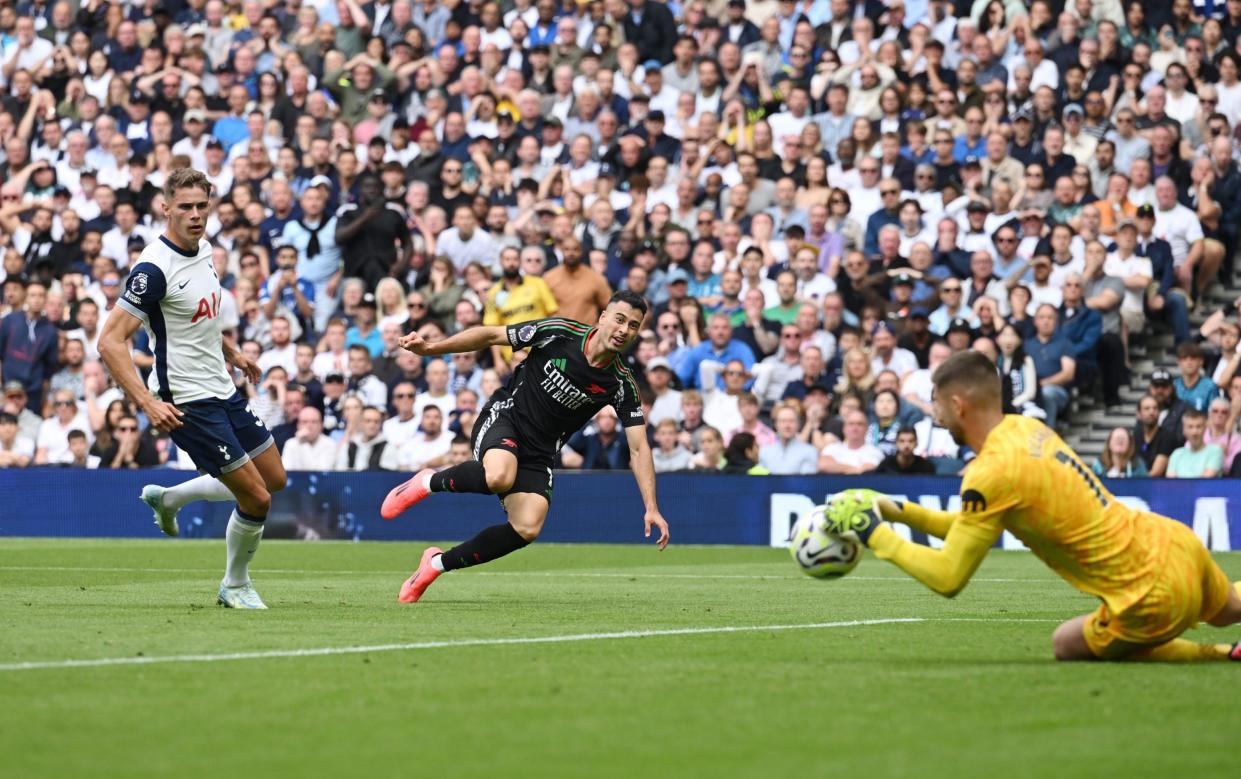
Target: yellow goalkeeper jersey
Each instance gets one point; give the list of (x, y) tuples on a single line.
[(1028, 481)]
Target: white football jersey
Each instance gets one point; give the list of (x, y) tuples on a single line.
[(177, 296)]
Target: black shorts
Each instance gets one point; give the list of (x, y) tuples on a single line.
[(219, 435), (495, 429)]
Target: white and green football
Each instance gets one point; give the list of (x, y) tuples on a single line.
[(818, 553)]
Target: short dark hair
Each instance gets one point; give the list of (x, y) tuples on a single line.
[(460, 439), (1193, 413), (907, 430), (631, 299), (76, 434)]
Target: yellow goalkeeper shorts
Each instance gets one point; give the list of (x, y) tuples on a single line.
[(1190, 589)]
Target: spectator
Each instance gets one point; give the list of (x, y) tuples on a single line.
[(1020, 387), (1221, 430), (16, 450), (282, 351), (748, 405), (367, 449), (362, 382), (852, 455), (667, 401), (602, 449), (668, 453), (29, 350), (364, 330), (310, 449), (437, 392), (429, 446), (1196, 459), (903, 461), (1193, 388), (710, 455), (741, 456), (720, 347), (787, 454), (129, 449), (1053, 364), (78, 454), (286, 289), (580, 292), (1119, 459), (318, 255), (773, 375), (514, 299), (52, 445)]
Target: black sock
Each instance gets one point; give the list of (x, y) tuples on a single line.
[(490, 544), (469, 476)]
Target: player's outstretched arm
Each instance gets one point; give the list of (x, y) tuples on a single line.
[(114, 350), (470, 340), (929, 521), (643, 466), (945, 570)]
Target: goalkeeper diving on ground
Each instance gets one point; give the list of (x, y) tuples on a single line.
[(1154, 578)]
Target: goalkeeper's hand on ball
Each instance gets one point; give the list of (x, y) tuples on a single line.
[(853, 514)]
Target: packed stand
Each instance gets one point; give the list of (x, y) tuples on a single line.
[(822, 199)]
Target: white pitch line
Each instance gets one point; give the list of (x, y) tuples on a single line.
[(467, 642), (544, 574)]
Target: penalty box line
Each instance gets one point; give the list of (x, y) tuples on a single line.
[(104, 662)]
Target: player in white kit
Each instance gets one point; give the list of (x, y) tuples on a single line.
[(174, 293)]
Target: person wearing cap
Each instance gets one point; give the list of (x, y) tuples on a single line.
[(1078, 144), (15, 402), (194, 145), (1165, 299)]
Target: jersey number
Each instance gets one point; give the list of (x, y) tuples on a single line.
[(1091, 480)]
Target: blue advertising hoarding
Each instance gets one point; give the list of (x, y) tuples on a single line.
[(586, 508)]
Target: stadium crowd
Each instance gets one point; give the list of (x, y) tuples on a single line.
[(822, 200)]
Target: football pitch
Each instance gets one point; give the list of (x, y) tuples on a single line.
[(572, 661)]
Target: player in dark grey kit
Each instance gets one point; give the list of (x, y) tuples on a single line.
[(572, 370)]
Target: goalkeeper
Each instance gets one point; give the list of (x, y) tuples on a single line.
[(1154, 578)]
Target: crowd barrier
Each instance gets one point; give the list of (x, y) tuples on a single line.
[(586, 508)]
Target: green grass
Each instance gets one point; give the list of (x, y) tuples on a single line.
[(927, 699)]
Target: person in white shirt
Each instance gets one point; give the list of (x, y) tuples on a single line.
[(853, 455), (466, 242), (283, 351), (194, 144), (1134, 271), (720, 406), (404, 425), (888, 356), (116, 240), (52, 446), (788, 454), (26, 50), (333, 358), (310, 449), (667, 403), (1195, 258), (437, 393), (16, 451), (430, 447), (368, 449), (812, 285)]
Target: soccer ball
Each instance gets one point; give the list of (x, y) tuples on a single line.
[(818, 553)]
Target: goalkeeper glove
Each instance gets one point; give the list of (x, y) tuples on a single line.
[(853, 513)]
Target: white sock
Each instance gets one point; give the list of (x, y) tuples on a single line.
[(199, 488), (242, 539), (437, 563), (426, 481)]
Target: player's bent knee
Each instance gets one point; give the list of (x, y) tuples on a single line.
[(500, 481), (528, 530), (276, 482), (1068, 643), (257, 502)]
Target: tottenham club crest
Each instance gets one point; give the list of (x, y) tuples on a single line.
[(139, 283)]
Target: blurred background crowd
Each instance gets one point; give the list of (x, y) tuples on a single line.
[(822, 199)]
